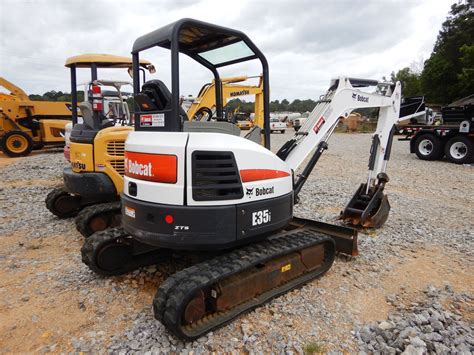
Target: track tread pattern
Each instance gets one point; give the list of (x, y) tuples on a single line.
[(88, 213), (50, 201), (171, 297), (93, 245)]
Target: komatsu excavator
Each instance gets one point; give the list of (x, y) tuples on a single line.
[(215, 191)]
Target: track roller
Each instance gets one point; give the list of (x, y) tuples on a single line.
[(114, 252), (208, 295), (63, 204), (98, 217)]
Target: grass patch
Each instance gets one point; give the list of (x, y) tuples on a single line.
[(313, 348)]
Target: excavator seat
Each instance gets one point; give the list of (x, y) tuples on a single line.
[(93, 123), (155, 96)]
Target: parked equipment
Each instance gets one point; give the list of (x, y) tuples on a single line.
[(26, 124), (97, 144), (92, 189), (454, 138), (196, 190), (205, 105)]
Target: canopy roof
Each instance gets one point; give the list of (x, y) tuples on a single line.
[(103, 61), (210, 44)]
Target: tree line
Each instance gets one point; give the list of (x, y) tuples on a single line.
[(448, 74)]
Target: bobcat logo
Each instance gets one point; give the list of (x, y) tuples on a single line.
[(249, 191), (354, 96)]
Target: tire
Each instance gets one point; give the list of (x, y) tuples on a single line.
[(428, 147), (16, 144), (460, 150)]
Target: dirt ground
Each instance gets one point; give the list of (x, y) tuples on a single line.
[(44, 303)]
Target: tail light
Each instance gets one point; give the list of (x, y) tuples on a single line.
[(152, 167), (97, 103)]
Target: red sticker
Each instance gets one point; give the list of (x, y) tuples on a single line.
[(319, 124)]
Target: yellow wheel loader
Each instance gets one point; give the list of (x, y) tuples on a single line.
[(26, 125)]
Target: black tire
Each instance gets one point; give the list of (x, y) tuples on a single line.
[(62, 204), (16, 144), (460, 150), (428, 147)]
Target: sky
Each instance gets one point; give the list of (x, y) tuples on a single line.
[(305, 42)]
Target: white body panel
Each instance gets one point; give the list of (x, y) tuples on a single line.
[(248, 155), (158, 143)]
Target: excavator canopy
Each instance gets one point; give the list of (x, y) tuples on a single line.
[(104, 61), (210, 45)]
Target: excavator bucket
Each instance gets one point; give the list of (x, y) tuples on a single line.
[(367, 210)]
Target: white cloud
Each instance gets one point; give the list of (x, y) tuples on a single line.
[(306, 42)]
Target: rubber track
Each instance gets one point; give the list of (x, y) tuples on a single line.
[(89, 212), (171, 298), (50, 200), (99, 240)]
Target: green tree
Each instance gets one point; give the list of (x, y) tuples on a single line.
[(411, 83), (446, 73), (466, 78), (285, 105)]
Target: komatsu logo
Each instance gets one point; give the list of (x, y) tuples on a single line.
[(134, 167), (78, 165), (240, 93), (360, 98), (264, 191)]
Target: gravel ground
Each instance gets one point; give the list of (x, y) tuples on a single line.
[(50, 301)]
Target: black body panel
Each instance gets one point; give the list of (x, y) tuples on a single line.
[(94, 185), (205, 227)]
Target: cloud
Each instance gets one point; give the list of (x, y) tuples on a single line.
[(306, 42)]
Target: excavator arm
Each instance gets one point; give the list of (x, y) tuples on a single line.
[(369, 206), (230, 89)]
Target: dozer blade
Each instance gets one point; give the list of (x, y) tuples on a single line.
[(367, 210)]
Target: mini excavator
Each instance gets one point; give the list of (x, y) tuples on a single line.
[(208, 189)]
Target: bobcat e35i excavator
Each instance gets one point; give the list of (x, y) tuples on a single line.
[(215, 191)]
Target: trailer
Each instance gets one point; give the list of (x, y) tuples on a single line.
[(454, 138)]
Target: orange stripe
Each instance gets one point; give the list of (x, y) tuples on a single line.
[(249, 175), (151, 167)]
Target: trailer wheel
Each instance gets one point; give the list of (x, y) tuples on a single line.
[(459, 150), (16, 144), (428, 147)]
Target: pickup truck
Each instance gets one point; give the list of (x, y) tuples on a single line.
[(277, 125)]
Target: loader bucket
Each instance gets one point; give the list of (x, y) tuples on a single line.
[(367, 210)]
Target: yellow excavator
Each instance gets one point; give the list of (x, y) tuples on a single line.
[(97, 144), (26, 124), (203, 107), (93, 183)]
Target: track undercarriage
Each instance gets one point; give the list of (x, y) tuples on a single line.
[(226, 284)]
